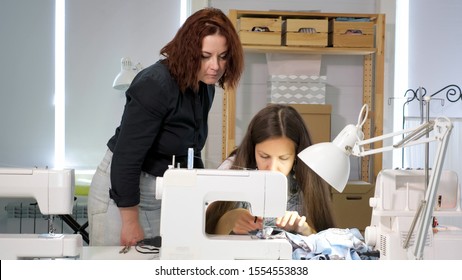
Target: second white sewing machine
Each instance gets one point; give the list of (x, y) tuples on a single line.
[(185, 195), (394, 205), (53, 190)]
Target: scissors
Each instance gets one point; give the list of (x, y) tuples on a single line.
[(125, 249)]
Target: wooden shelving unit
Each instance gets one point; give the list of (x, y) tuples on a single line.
[(373, 76)]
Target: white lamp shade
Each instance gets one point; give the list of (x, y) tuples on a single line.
[(126, 75), (330, 162)]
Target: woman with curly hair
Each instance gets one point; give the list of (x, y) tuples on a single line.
[(166, 111)]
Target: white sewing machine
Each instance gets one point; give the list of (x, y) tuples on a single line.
[(185, 194), (398, 194), (54, 193)]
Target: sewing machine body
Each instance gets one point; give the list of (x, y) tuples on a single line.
[(396, 200), (53, 190), (40, 246), (185, 195)]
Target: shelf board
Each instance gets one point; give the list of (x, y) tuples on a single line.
[(308, 50), (299, 14)]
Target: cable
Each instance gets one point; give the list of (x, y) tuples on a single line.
[(149, 245)]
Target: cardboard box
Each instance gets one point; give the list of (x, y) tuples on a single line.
[(357, 34), (351, 207), (297, 89), (317, 119), (305, 32), (250, 31)]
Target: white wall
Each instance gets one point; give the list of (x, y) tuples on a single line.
[(434, 62), (27, 81)]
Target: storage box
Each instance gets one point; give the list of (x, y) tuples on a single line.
[(317, 119), (306, 32), (297, 89), (358, 34), (351, 207), (260, 31)]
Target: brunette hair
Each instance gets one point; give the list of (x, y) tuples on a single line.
[(275, 121), (183, 53)]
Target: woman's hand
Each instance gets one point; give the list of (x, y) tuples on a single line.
[(239, 221), (131, 231), (292, 221)]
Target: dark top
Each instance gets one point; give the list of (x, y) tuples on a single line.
[(158, 122)]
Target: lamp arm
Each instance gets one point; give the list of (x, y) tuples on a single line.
[(443, 132), (411, 139), (418, 133), (363, 153)]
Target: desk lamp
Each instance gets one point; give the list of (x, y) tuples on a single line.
[(330, 160), (126, 75)]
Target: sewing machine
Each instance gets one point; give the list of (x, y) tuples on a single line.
[(185, 194), (54, 192), (397, 197)]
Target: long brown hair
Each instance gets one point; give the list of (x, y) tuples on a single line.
[(274, 121), (183, 52)]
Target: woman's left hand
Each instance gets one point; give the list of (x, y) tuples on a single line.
[(292, 221)]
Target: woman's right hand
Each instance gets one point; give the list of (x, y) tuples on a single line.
[(131, 231), (292, 221)]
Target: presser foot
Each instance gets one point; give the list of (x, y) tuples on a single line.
[(269, 233)]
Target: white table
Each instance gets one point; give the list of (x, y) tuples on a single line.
[(112, 253)]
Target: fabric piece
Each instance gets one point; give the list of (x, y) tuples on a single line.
[(330, 244)]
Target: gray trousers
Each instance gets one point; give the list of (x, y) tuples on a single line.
[(104, 221)]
